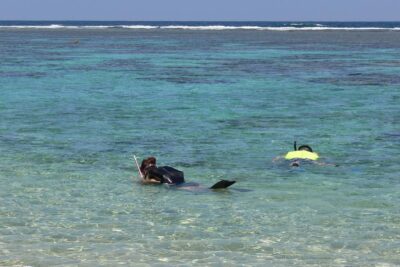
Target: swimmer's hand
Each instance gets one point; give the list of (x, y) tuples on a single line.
[(150, 181)]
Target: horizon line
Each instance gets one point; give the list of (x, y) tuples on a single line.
[(112, 20)]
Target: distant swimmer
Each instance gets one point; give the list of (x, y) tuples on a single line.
[(303, 153), (151, 174)]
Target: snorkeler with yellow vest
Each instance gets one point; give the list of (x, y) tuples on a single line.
[(303, 153)]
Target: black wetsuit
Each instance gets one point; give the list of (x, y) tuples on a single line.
[(169, 175), (165, 174)]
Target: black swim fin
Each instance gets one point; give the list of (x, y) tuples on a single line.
[(222, 184)]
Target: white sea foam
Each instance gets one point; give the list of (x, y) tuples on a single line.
[(52, 26), (323, 28), (57, 26), (211, 27), (90, 27), (288, 28), (138, 27), (318, 27)]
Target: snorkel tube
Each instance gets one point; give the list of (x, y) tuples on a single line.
[(137, 166), (301, 152)]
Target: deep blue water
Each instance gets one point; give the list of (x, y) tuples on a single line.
[(76, 103)]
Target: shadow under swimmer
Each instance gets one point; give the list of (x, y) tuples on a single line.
[(151, 174)]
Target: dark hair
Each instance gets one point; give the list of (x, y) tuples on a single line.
[(306, 148), (146, 163)]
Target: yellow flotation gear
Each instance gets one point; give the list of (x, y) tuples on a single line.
[(301, 154)]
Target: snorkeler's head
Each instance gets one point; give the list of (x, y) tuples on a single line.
[(306, 148), (150, 161)]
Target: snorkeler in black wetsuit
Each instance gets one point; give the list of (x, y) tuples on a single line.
[(168, 175)]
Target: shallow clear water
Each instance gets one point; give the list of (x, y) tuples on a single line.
[(217, 105)]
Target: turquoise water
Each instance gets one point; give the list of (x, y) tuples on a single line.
[(216, 105)]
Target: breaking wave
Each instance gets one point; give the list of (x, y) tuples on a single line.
[(292, 27)]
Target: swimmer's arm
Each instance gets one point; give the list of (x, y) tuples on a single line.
[(277, 158), (150, 181)]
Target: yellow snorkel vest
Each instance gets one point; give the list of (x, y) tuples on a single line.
[(301, 154)]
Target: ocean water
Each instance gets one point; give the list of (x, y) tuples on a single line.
[(217, 103)]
